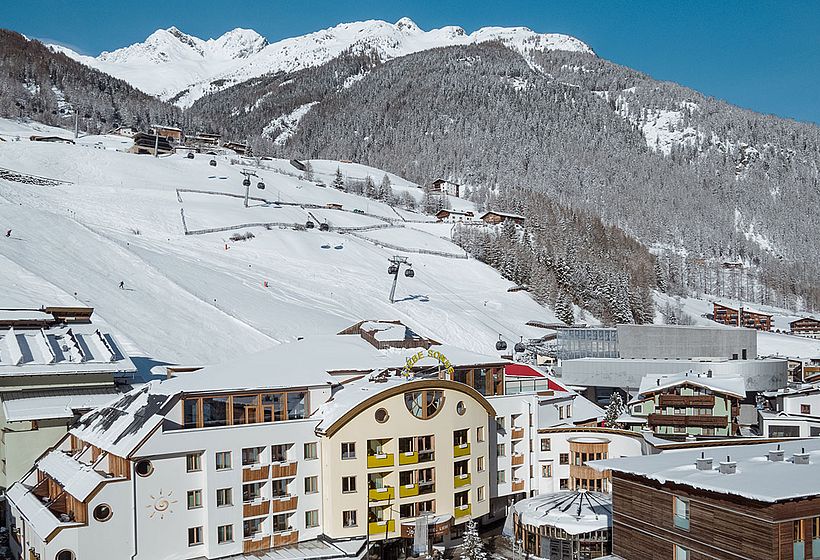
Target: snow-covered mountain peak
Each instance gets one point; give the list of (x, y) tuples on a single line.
[(174, 65)]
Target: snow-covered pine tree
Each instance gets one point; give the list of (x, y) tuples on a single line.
[(563, 309), (370, 190), (385, 190), (472, 547), (614, 410), (308, 171), (338, 180)]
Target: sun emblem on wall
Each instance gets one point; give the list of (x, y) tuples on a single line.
[(162, 505)]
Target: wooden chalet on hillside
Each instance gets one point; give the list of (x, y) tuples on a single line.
[(495, 217), (455, 216), (172, 133), (151, 144), (808, 327), (446, 187), (743, 317)]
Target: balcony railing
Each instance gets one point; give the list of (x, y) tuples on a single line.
[(517, 433), (379, 494), (283, 470), (408, 490), (284, 503), (687, 420), (408, 458), (517, 459), (285, 538), (517, 485), (255, 510), (687, 400), (380, 461), (461, 480), (253, 474), (378, 529), (255, 544), (462, 511), (461, 450)]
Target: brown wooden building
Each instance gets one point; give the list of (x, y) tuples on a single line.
[(493, 217), (743, 317), (807, 326), (725, 315), (749, 502)]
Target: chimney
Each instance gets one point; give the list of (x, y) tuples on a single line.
[(728, 466), (776, 454), (703, 463), (801, 458)]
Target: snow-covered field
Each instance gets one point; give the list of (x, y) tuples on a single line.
[(189, 299)]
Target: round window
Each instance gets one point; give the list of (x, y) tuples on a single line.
[(382, 416), (65, 555), (144, 468), (103, 512), (460, 408)]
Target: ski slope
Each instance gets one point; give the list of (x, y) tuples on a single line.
[(199, 299)]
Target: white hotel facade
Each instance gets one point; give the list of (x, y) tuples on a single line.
[(318, 447)]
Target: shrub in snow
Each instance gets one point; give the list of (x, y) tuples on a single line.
[(242, 236), (473, 547), (614, 410)]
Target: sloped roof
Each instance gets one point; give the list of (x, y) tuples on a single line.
[(574, 512), (729, 385), (20, 406)]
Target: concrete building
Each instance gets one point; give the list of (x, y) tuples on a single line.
[(685, 342), (55, 365), (790, 412)]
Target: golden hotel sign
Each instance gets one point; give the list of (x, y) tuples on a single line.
[(430, 353)]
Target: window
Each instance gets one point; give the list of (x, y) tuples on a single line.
[(499, 421), (311, 484), (280, 523), (194, 536), (251, 455), (193, 462), (251, 492), (252, 527), (462, 499), (279, 488), (637, 409), (224, 534), (546, 471), (381, 415), (501, 477), (784, 431), (560, 412), (223, 460), (102, 512), (144, 468), (460, 408), (501, 450), (563, 484), (681, 553), (799, 535), (479, 464), (224, 497), (424, 404), (348, 484), (545, 444), (245, 409), (407, 510), (461, 437), (279, 453), (194, 499), (312, 518), (214, 411), (349, 450), (480, 494), (805, 409), (679, 429), (708, 431), (815, 528), (349, 518), (311, 451), (563, 459), (479, 433), (65, 555), (681, 513)]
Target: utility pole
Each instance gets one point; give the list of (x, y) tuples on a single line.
[(76, 123), (394, 268)]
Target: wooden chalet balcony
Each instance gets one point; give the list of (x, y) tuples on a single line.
[(285, 538), (252, 474), (691, 400), (517, 433), (255, 510), (517, 485), (284, 503), (697, 421), (255, 545), (283, 470), (517, 459)]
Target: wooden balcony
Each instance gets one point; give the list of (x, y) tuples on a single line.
[(255, 510), (408, 490), (255, 545), (253, 474), (462, 480), (462, 511), (517, 459), (285, 538), (701, 401), (284, 503), (380, 461), (461, 450), (283, 470), (517, 485), (408, 458), (517, 433), (379, 494), (697, 421)]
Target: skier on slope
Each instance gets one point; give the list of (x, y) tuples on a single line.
[(8, 233), (122, 284)]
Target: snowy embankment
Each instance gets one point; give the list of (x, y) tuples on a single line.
[(189, 299)]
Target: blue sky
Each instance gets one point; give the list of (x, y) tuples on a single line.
[(763, 55)]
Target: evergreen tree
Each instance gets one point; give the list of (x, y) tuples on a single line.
[(472, 547), (370, 190), (385, 190), (615, 409), (338, 180), (308, 171), (563, 309)]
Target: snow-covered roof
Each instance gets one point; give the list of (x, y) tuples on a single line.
[(731, 385), (755, 311), (35, 511), (573, 512), (53, 403), (629, 419), (76, 478), (756, 477), (61, 350), (504, 214)]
